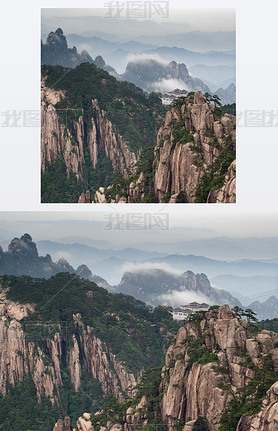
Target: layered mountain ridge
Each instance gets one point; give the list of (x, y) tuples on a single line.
[(99, 132)]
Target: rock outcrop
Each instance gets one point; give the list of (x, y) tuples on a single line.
[(85, 353), (227, 193), (63, 425), (182, 156), (195, 388), (195, 144), (66, 139), (56, 51), (267, 418), (215, 359)]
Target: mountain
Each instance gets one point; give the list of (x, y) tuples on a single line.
[(93, 126), (227, 95), (156, 286), (56, 51), (267, 309), (191, 58), (193, 161), (195, 40), (66, 344), (151, 75), (246, 287), (22, 258), (220, 374), (213, 76)]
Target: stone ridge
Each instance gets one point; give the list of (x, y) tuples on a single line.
[(20, 357), (189, 142), (58, 140), (191, 386)]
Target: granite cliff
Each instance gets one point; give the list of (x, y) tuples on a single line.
[(193, 161), (220, 374)]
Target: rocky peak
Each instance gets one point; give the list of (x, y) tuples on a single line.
[(63, 425), (99, 62), (234, 357), (64, 266), (56, 51), (193, 137), (151, 75), (84, 272), (156, 286), (23, 248), (57, 40)]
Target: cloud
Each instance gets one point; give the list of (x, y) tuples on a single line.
[(84, 47), (165, 85), (62, 255), (147, 266), (176, 298), (145, 58)]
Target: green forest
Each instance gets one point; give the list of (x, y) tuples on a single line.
[(135, 115), (136, 333)]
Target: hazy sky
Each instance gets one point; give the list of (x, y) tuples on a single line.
[(79, 21), (183, 225)]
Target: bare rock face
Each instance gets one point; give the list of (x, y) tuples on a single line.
[(56, 138), (181, 160), (67, 138), (96, 361), (19, 357), (193, 389), (267, 418), (84, 423), (227, 193), (213, 358), (110, 142), (63, 425), (85, 198)]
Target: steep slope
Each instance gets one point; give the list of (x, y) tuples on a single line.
[(220, 374), (92, 127), (150, 75), (267, 309), (67, 344), (56, 51), (227, 95), (156, 286), (193, 161), (195, 147)]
